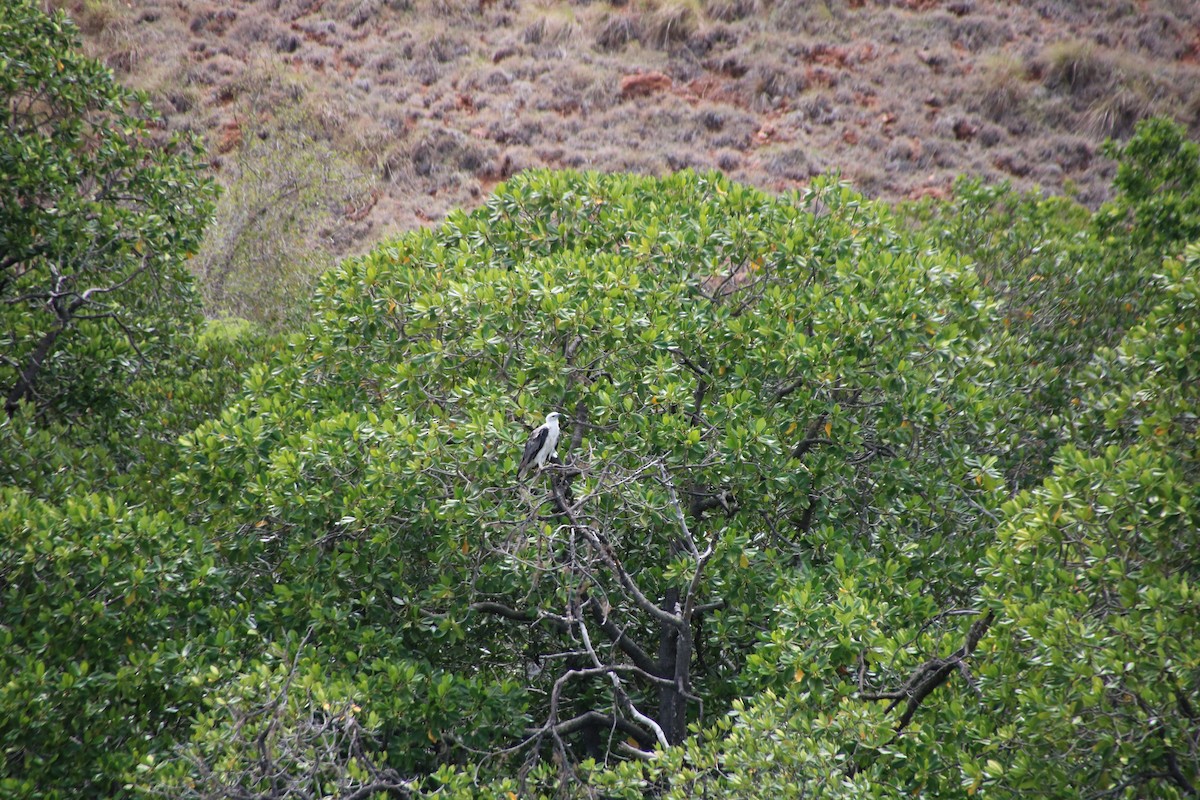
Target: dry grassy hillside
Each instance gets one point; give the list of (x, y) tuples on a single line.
[(385, 114)]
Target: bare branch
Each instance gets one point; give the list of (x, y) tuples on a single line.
[(597, 719), (679, 517), (559, 623), (706, 501), (609, 555), (704, 608), (622, 697), (621, 639)]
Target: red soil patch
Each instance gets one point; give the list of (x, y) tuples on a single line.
[(644, 84)]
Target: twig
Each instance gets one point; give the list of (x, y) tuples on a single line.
[(930, 675)]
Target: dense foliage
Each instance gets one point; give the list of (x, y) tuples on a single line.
[(103, 365), (98, 213), (852, 502)]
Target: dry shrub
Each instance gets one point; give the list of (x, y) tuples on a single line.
[(263, 87), (255, 28), (213, 23), (123, 61), (714, 37), (940, 153), (681, 159), (220, 69), (1075, 67), (816, 108), (444, 48), (905, 154), (114, 33), (291, 10), (712, 119), (617, 30), (92, 16), (956, 127), (671, 23), (362, 12), (647, 161), (1065, 11), (1115, 113), (286, 192), (457, 11), (980, 33), (791, 162), (1112, 90), (484, 78), (786, 16), (523, 132), (731, 10), (549, 31), (1161, 35), (1001, 91), (320, 31), (772, 82), (595, 89), (1071, 153), (437, 150), (426, 71), (990, 134), (374, 145), (1013, 162), (181, 100), (728, 160)]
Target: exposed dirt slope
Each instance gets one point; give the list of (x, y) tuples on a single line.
[(439, 99)]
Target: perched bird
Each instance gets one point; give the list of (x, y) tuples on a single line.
[(540, 447)]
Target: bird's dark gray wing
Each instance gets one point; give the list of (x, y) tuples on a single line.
[(536, 440)]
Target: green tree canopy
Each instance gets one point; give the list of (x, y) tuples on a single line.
[(99, 209), (757, 387), (850, 504), (785, 519)]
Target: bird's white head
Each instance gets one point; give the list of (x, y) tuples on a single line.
[(553, 417)]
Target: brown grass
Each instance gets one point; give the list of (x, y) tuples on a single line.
[(93, 17), (670, 23), (731, 10), (1001, 89), (1113, 90), (439, 99), (1075, 66), (618, 29)]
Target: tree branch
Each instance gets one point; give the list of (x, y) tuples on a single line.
[(606, 551), (930, 675), (619, 690), (23, 389), (789, 387), (500, 610), (706, 501), (621, 639), (811, 439), (596, 719)]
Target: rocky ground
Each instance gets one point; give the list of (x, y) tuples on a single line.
[(429, 103)]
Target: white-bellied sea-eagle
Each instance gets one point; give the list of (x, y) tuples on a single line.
[(540, 447)]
